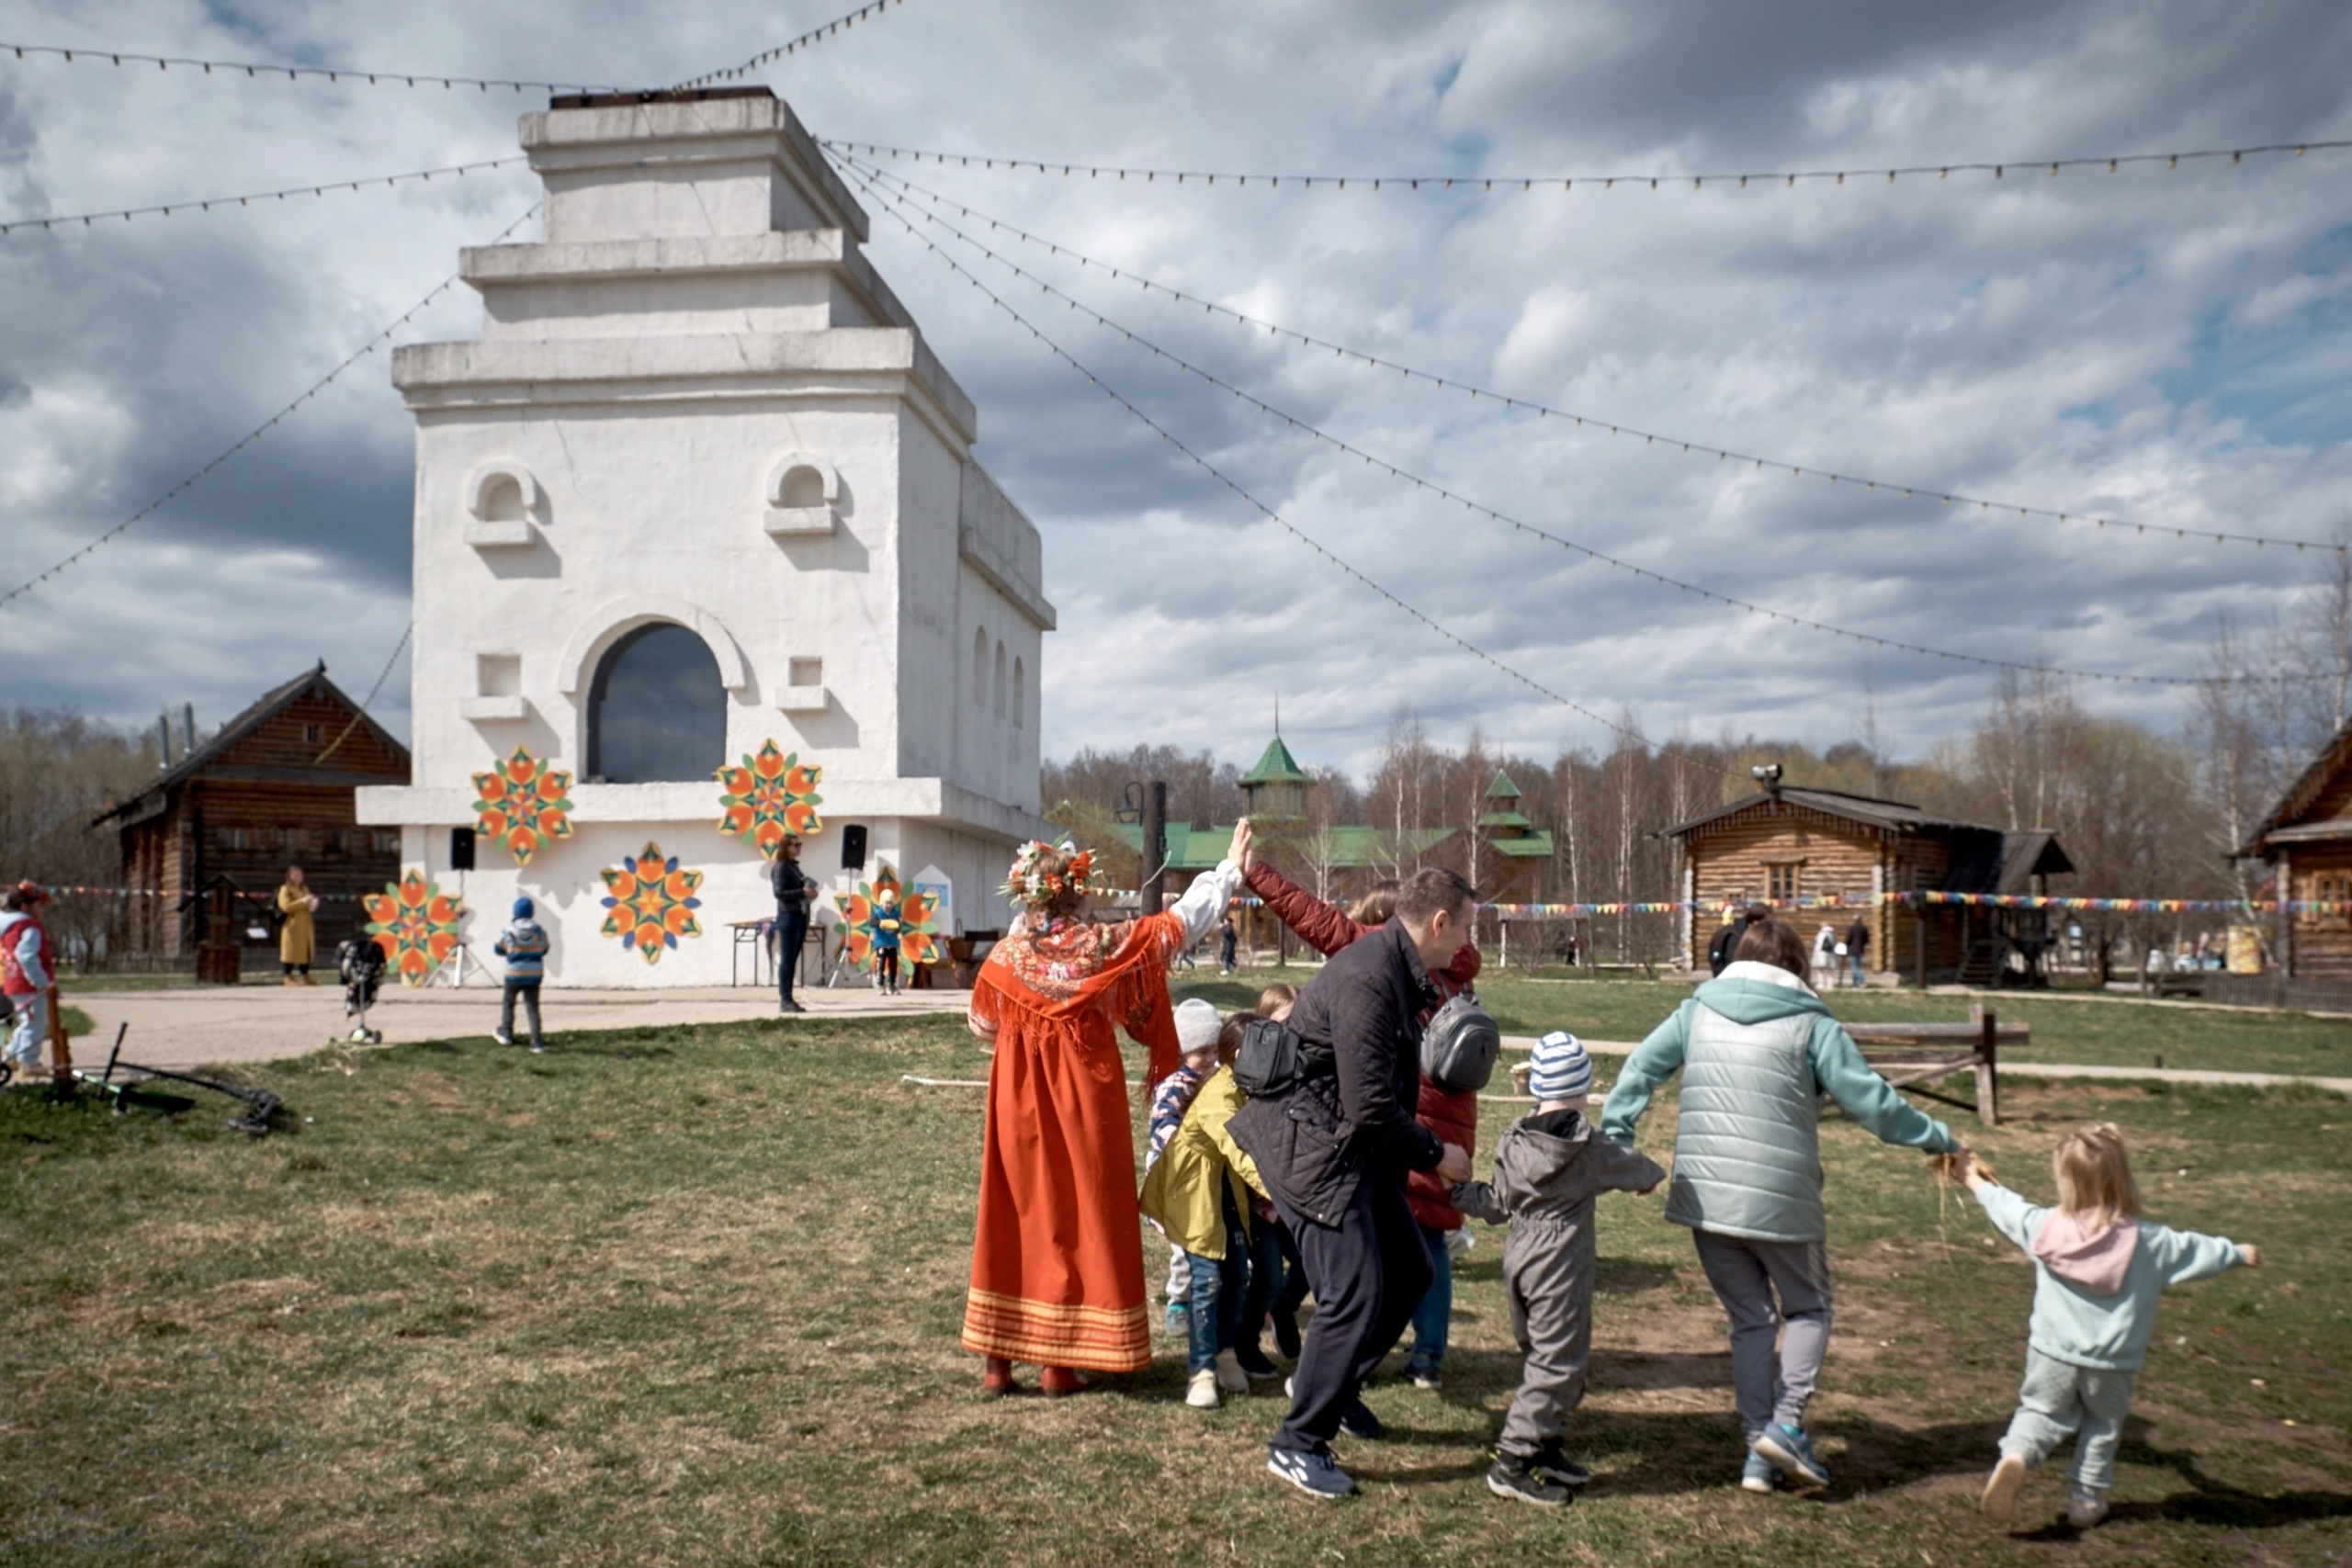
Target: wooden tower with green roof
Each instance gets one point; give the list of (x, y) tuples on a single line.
[(1277, 787), (1508, 829)]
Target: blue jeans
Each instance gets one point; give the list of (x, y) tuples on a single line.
[(1268, 1278), (791, 936), (1857, 958), (1220, 1292), (1436, 1311)]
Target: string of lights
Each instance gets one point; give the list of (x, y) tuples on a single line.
[(1517, 525), (268, 69), (1284, 523), (258, 432), (209, 203), (370, 700), (1757, 179), (1983, 506), (812, 36)]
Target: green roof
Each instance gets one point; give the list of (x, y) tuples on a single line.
[(1532, 845), (1504, 819), (1502, 788), (1277, 766)]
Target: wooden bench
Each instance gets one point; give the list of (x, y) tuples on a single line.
[(1912, 1056)]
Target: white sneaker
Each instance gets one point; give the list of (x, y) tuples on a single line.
[(1229, 1375), (504, 1036), (2084, 1508), (2000, 1500), (1201, 1393)]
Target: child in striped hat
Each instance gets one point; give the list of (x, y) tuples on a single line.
[(1548, 1168)]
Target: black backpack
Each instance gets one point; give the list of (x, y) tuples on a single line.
[(1266, 1064)]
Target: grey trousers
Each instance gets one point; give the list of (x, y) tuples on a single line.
[(1547, 1276), (2059, 1397), (1746, 1275), (529, 991)]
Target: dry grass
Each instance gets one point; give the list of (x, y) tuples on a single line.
[(692, 1296)]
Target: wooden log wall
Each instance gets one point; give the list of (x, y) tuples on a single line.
[(2321, 946)]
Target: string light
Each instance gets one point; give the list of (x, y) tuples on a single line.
[(2123, 527), (209, 203), (1484, 184), (1516, 524), (1284, 523), (812, 36), (369, 701), (258, 432), (259, 70)]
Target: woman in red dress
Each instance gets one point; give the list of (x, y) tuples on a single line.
[(1057, 1256)]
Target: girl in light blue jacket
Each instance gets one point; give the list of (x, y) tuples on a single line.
[(2097, 1270)]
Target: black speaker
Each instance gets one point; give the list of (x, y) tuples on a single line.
[(461, 849), (854, 847)]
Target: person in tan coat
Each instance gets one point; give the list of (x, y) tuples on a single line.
[(297, 938)]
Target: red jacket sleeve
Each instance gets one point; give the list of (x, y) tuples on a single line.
[(1324, 927)]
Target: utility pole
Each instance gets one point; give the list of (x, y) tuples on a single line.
[(1155, 848)]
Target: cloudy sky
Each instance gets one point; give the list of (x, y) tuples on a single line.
[(2166, 347)]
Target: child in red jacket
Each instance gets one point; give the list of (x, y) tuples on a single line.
[(1451, 1115)]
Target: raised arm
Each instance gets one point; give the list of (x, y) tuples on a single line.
[(2183, 1256), (1324, 927)]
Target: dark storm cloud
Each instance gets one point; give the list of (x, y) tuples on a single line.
[(2166, 347)]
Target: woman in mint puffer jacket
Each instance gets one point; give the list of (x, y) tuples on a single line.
[(1757, 1049)]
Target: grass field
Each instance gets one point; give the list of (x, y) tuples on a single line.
[(2085, 1027), (692, 1296)]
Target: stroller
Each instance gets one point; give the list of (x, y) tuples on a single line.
[(359, 960)]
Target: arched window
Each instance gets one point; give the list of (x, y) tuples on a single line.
[(1000, 680), (656, 712), (1020, 694), (980, 664)]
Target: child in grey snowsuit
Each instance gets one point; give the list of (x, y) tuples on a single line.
[(524, 945), (1548, 1168)]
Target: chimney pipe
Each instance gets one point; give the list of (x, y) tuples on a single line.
[(188, 730), (163, 743)]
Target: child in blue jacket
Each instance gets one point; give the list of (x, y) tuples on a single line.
[(2097, 1270), (524, 945)]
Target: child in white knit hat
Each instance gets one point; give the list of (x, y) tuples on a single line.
[(1548, 1168), (1197, 1025)]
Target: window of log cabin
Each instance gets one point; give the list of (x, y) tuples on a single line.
[(386, 841), (2331, 887), (1780, 881)]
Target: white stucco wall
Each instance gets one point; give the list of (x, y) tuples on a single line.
[(609, 453)]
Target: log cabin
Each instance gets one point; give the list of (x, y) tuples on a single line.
[(1791, 843), (2307, 838), (273, 788)]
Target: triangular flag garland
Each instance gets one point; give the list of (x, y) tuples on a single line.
[(416, 925), (524, 803), (863, 909), (652, 902), (771, 797)]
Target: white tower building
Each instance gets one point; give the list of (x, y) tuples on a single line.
[(702, 484)]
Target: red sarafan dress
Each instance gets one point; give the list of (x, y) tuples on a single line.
[(1058, 1257)]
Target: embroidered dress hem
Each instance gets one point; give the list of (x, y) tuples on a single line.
[(1094, 1339)]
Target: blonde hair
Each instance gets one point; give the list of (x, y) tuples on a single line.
[(2094, 1174), (1282, 993)]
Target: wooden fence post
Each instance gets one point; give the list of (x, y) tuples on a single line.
[(1988, 1089)]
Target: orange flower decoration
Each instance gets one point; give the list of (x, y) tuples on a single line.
[(919, 940), (652, 902), (416, 925), (523, 805), (771, 797)]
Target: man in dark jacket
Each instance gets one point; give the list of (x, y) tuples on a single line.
[(1857, 941), (1726, 942), (794, 891), (1334, 1151)]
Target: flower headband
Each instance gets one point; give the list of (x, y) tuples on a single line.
[(1030, 883)]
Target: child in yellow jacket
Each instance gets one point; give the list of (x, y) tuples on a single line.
[(1200, 1193)]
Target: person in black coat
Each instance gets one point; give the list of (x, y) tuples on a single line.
[(1726, 940), (1334, 1151), (795, 894)]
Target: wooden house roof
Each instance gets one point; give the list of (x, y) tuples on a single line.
[(2315, 807), (157, 797), (1984, 860)]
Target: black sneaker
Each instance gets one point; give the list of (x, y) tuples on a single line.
[(1515, 1477), (1286, 1334), (790, 1007), (1360, 1424), (1253, 1361), (1552, 1465)]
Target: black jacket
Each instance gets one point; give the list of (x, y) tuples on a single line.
[(1726, 943), (1360, 1066), (792, 887)]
